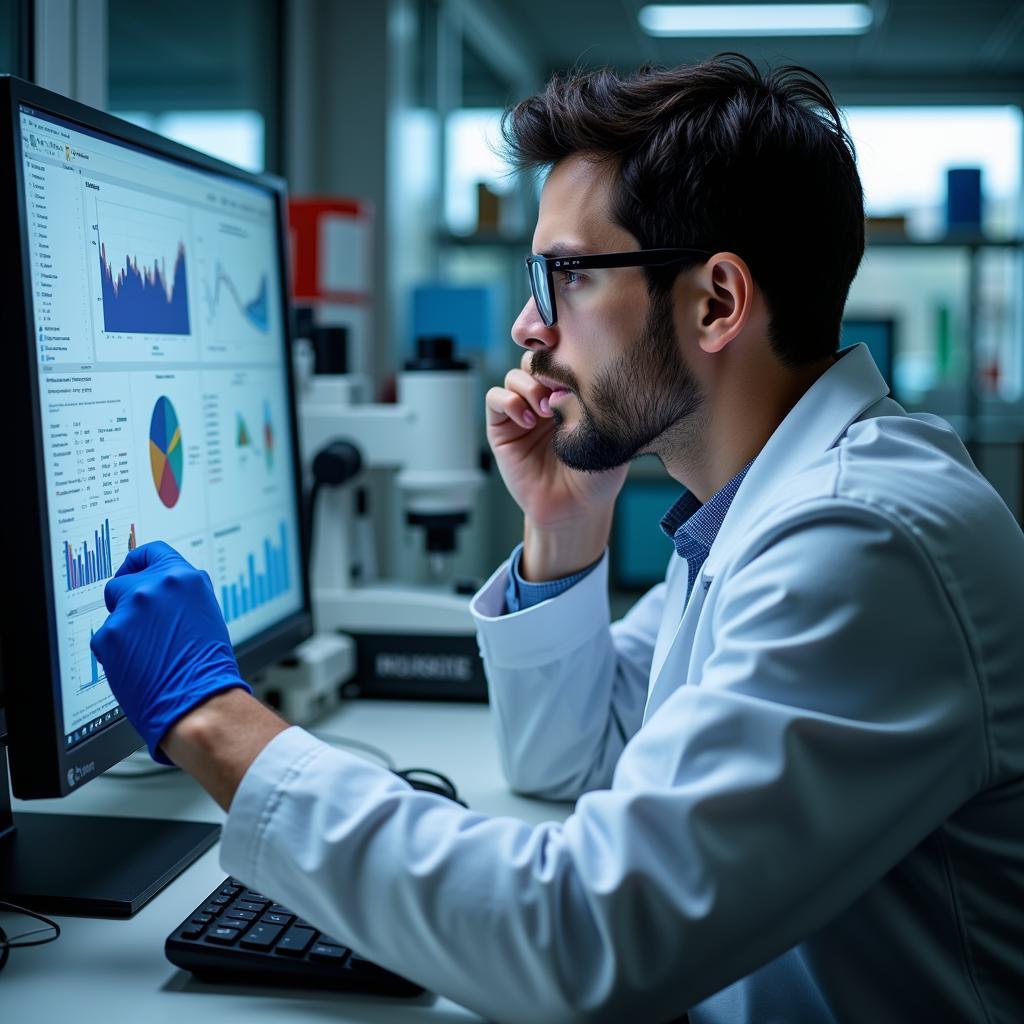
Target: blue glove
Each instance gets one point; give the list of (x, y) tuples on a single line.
[(165, 647)]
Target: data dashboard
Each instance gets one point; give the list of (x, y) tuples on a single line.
[(159, 333)]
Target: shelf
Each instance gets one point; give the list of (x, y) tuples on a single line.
[(954, 242)]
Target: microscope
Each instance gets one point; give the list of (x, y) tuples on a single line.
[(376, 637)]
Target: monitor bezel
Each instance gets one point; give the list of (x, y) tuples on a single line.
[(40, 764)]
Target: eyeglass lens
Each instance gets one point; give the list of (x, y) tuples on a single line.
[(541, 294)]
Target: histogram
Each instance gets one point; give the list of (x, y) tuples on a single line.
[(254, 587), (141, 300), (89, 565)]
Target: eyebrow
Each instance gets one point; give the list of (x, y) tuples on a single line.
[(564, 249)]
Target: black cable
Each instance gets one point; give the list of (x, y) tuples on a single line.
[(314, 493), (439, 782), (16, 941)]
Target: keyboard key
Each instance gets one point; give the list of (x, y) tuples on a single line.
[(222, 935), (229, 890), (328, 953), (249, 905), (278, 909), (213, 909), (277, 918), (240, 915), (256, 897), (222, 901), (261, 936), (296, 941), (202, 918), (192, 931)]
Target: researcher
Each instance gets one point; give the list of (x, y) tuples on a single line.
[(798, 762)]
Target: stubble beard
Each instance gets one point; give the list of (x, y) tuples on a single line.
[(648, 393)]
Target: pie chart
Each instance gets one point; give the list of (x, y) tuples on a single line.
[(165, 452)]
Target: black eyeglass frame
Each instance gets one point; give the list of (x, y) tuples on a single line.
[(597, 261)]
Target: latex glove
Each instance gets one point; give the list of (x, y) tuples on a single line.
[(165, 647)]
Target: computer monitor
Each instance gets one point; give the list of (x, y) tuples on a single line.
[(146, 394)]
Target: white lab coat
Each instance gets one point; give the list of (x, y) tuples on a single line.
[(801, 796)]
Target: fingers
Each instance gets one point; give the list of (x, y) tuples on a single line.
[(503, 406), (114, 591), (147, 555), (126, 578)]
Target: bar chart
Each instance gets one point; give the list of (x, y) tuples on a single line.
[(96, 673), (266, 574), (85, 564), (85, 672)]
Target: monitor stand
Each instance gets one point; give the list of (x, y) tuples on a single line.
[(87, 865)]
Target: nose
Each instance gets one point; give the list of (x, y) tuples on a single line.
[(530, 331)]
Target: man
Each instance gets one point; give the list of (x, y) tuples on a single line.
[(800, 759)]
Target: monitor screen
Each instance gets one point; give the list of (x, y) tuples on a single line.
[(159, 331)]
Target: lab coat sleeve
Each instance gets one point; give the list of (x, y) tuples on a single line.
[(836, 724), (567, 688)]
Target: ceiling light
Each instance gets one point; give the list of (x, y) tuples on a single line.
[(756, 19)]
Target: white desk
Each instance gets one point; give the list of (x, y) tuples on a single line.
[(115, 971)]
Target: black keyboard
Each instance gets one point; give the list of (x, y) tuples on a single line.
[(239, 936)]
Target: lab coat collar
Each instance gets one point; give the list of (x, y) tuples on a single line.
[(836, 399)]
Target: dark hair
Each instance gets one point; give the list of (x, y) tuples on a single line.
[(718, 156)]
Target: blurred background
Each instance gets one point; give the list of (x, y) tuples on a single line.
[(390, 108)]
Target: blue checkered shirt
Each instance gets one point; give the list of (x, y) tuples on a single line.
[(689, 524)]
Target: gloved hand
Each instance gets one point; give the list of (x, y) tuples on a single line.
[(165, 646)]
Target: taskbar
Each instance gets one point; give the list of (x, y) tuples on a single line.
[(115, 714)]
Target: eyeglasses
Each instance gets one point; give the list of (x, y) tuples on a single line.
[(542, 270)]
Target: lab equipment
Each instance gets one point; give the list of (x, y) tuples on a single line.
[(410, 640)]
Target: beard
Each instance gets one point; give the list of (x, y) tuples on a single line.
[(645, 393)]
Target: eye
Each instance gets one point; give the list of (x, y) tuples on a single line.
[(569, 277)]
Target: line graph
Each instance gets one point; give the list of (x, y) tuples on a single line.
[(254, 311)]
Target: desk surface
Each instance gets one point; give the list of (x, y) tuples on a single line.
[(115, 971)]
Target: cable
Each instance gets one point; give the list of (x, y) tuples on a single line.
[(438, 783), (343, 741), (145, 773), (16, 941), (147, 768)]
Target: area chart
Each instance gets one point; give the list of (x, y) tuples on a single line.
[(140, 299)]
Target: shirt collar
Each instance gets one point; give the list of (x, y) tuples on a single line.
[(692, 526)]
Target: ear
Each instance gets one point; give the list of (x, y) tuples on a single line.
[(726, 296)]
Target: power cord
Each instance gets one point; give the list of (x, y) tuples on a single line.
[(16, 941)]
